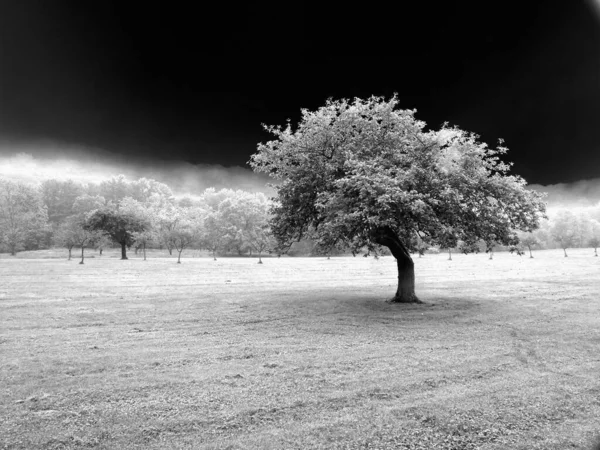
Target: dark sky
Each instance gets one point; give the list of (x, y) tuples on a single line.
[(166, 81)]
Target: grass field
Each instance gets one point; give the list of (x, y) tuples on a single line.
[(300, 353)]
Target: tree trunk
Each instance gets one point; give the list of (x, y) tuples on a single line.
[(406, 267), (144, 247), (82, 247), (69, 255), (170, 250), (595, 251), (214, 254), (449, 255), (565, 250), (179, 257), (101, 251), (259, 259), (123, 251), (530, 254)]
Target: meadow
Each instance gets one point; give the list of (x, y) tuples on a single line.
[(299, 353)]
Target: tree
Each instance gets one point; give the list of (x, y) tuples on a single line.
[(103, 241), (529, 240), (188, 230), (23, 217), (86, 203), (594, 241), (84, 236), (64, 236), (119, 225), (115, 189), (366, 174), (145, 213), (448, 240), (214, 233), (563, 230), (59, 197)]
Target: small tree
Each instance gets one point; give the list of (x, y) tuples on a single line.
[(86, 237), (214, 233), (64, 236), (120, 226), (594, 241), (23, 217), (563, 230), (144, 239), (529, 240), (188, 229), (447, 239), (182, 238), (103, 241)]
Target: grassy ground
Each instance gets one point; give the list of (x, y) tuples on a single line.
[(300, 353)]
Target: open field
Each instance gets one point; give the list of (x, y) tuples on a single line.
[(300, 353)]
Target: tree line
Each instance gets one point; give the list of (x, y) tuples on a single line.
[(146, 214), (143, 213)]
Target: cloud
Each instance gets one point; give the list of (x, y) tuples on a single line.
[(33, 163), (581, 193)]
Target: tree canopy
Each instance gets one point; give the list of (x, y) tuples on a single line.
[(365, 174)]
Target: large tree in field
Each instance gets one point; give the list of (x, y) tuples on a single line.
[(365, 174), (121, 226)]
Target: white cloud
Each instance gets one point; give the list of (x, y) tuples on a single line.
[(37, 162)]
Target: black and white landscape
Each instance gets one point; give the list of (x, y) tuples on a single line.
[(292, 227)]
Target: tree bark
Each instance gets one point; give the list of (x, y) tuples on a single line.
[(179, 257), (259, 259), (449, 255), (101, 251), (123, 251), (565, 250), (82, 247), (406, 267), (144, 247), (69, 255)]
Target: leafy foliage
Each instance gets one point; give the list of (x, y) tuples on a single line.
[(23, 217), (352, 168), (119, 225)]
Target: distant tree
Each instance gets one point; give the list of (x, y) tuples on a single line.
[(214, 233), (563, 230), (448, 239), (85, 237), (64, 236), (115, 189), (188, 231), (102, 242), (23, 217), (594, 241), (581, 229), (120, 226), (146, 213), (367, 174), (146, 190), (490, 243), (86, 203), (467, 247), (59, 196), (419, 244), (529, 240)]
